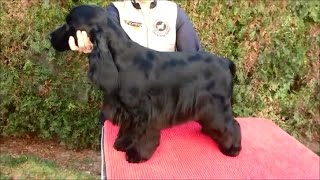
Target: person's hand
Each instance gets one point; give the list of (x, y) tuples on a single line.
[(84, 43)]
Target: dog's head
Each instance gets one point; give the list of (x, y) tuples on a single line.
[(85, 18)]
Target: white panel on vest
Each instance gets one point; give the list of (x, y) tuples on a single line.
[(158, 33)]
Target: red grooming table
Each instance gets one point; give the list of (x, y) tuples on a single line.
[(268, 152)]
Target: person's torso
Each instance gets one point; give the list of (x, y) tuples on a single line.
[(154, 28)]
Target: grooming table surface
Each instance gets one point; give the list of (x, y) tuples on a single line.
[(185, 153)]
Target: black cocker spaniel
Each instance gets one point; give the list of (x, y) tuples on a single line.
[(147, 90)]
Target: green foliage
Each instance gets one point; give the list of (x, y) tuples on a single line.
[(45, 92), (275, 45), (30, 167)]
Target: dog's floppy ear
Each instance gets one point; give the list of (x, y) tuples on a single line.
[(103, 71), (59, 37)]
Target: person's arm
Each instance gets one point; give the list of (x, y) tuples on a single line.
[(187, 39)]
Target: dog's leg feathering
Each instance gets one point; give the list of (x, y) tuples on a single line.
[(144, 147), (218, 123)]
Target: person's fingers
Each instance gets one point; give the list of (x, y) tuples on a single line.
[(86, 38), (72, 44), (80, 41), (87, 43), (84, 44), (88, 50)]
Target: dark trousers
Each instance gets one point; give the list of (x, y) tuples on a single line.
[(102, 117)]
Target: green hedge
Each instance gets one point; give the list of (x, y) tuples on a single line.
[(275, 45)]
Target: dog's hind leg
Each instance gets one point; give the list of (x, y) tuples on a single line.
[(217, 122)]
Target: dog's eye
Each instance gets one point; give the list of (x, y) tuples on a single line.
[(72, 29)]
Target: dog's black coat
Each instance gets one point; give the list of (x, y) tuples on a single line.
[(146, 90)]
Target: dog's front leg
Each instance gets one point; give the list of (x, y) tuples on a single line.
[(146, 145), (124, 137), (143, 138)]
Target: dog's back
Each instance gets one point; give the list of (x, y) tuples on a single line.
[(178, 86)]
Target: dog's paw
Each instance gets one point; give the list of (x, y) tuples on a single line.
[(122, 143), (232, 151), (133, 156)]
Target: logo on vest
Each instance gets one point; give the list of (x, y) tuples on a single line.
[(160, 28), (135, 25)]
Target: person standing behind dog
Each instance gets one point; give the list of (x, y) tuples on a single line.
[(159, 25)]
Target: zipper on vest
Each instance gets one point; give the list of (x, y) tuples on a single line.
[(146, 22)]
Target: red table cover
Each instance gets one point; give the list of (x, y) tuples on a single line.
[(184, 152)]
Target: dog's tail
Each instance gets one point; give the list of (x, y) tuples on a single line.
[(232, 68)]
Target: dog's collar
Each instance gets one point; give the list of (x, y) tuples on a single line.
[(137, 5)]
